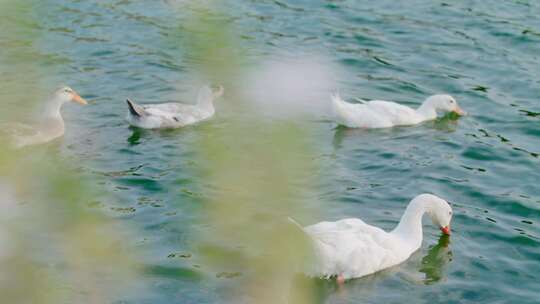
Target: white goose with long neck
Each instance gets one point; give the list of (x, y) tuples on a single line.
[(350, 248), (384, 114), (51, 124)]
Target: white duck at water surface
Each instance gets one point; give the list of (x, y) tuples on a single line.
[(350, 248), (51, 125), (173, 114), (384, 114)]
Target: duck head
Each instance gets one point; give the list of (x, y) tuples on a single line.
[(207, 96), (219, 91), (439, 210), (66, 94), (206, 93), (445, 103)]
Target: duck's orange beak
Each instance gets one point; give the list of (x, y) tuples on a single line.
[(78, 99), (459, 111), (446, 230)]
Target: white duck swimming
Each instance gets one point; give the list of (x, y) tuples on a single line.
[(350, 248), (383, 114), (51, 125), (173, 115)]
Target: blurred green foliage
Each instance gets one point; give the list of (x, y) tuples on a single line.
[(52, 249), (253, 164)]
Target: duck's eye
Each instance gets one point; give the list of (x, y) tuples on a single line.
[(450, 213), (451, 101)]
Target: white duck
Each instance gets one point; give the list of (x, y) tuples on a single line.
[(383, 114), (51, 125), (350, 248), (173, 115)]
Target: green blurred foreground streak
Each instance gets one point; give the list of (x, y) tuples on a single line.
[(52, 248), (249, 168), (253, 170)]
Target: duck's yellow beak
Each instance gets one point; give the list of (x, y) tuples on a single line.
[(78, 99), (459, 111)]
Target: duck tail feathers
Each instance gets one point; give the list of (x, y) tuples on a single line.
[(296, 223), (134, 108), (336, 98), (360, 100), (338, 104)]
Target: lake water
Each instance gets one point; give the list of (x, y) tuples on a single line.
[(484, 53)]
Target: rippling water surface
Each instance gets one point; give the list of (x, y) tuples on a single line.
[(484, 53)]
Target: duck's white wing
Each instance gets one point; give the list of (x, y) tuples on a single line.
[(20, 135), (358, 115), (177, 114), (18, 129), (348, 247), (169, 107), (394, 112)]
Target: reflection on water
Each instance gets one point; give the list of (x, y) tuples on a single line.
[(341, 133), (134, 138), (447, 123), (435, 262)]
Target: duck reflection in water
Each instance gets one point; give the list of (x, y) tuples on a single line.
[(134, 138), (138, 134), (448, 123), (433, 264)]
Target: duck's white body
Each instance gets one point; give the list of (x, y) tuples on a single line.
[(51, 125), (350, 248), (27, 135), (173, 115), (384, 114)]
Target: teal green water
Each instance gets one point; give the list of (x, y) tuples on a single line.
[(484, 53)]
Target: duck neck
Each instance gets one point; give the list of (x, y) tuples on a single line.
[(206, 104), (410, 225), (427, 111), (51, 122), (52, 109)]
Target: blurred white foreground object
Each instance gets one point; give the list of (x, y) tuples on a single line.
[(288, 88)]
